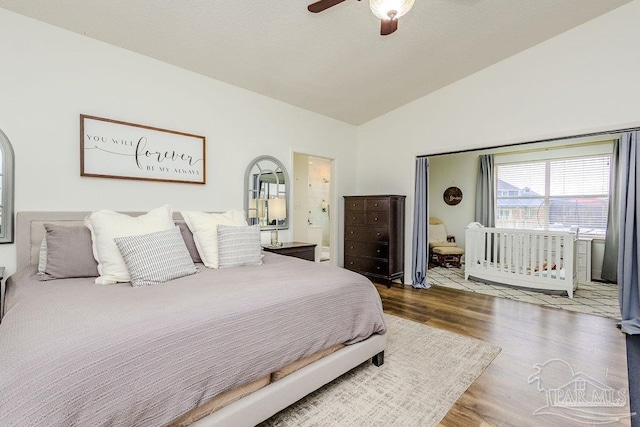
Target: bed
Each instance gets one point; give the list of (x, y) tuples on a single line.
[(540, 260), (262, 337)]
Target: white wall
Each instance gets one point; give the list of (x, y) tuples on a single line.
[(456, 170), (50, 76), (584, 80)]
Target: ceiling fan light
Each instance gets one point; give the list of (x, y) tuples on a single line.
[(382, 8)]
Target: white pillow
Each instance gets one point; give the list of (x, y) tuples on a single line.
[(106, 225), (205, 234)]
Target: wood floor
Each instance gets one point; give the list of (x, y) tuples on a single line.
[(528, 334)]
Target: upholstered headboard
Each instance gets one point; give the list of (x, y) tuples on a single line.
[(30, 231)]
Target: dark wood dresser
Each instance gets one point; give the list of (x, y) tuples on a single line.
[(374, 236)]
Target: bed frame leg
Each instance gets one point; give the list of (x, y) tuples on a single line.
[(378, 359)]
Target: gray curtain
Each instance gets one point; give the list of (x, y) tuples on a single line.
[(628, 253), (420, 252), (485, 192), (610, 262)]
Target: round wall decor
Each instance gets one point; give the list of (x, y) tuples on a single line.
[(452, 196)]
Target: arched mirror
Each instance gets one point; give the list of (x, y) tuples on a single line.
[(266, 186), (6, 189)]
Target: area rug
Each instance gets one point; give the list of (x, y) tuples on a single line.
[(424, 372), (595, 298)]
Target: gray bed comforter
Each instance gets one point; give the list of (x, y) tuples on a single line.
[(76, 353)]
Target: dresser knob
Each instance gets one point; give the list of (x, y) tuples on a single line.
[(351, 231), (376, 251), (375, 204), (378, 267), (354, 218), (351, 247), (378, 234), (351, 263), (375, 219)]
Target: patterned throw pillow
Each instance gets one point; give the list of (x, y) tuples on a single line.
[(239, 246), (203, 226), (155, 257)]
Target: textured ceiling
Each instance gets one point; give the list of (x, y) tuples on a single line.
[(334, 63)]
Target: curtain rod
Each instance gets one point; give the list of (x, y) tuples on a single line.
[(585, 135), (535, 150)]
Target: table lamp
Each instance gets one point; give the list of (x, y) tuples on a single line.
[(276, 210)]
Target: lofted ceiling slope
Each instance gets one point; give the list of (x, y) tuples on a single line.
[(334, 63)]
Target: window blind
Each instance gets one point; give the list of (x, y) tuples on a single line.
[(554, 194)]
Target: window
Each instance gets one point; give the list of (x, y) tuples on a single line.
[(554, 194), (6, 189)]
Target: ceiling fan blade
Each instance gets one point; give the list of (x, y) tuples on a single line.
[(388, 26), (321, 5)]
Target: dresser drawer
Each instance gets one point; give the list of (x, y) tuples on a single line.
[(377, 234), (377, 205), (376, 218), (354, 217), (366, 249), (354, 205), (366, 265)]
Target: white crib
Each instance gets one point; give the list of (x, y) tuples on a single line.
[(542, 260)]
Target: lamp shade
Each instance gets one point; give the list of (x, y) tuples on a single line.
[(390, 9), (277, 209)]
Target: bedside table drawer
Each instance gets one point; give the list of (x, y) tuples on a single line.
[(300, 250)]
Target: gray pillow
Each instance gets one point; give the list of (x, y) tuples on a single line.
[(187, 235), (155, 257), (69, 253), (238, 246)]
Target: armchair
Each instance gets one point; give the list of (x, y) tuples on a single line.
[(443, 249)]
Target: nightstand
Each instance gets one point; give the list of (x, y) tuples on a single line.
[(295, 249)]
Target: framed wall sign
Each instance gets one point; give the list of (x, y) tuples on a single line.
[(114, 149), (452, 196)]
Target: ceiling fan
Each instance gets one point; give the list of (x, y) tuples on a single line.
[(387, 10)]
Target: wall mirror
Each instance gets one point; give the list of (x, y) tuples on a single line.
[(266, 184), (6, 189)]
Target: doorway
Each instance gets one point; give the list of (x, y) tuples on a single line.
[(312, 210)]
